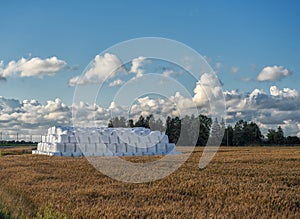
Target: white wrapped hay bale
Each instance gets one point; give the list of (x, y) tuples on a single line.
[(161, 148), (140, 150), (72, 139), (83, 138), (95, 138), (101, 148), (58, 147), (104, 139), (44, 137), (112, 147), (68, 141), (63, 138), (154, 137), (69, 147), (121, 148), (131, 149), (151, 150)]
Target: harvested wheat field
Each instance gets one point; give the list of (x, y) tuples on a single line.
[(240, 182)]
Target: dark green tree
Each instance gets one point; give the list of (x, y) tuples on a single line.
[(141, 122), (280, 136), (173, 128), (271, 135), (185, 132), (204, 129), (239, 138), (276, 137), (130, 123), (292, 140), (228, 136), (117, 122)]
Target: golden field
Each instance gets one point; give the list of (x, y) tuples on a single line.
[(240, 182)]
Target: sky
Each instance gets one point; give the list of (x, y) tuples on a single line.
[(253, 47)]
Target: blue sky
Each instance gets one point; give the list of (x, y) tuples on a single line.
[(244, 35)]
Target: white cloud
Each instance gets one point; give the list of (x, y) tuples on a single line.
[(8, 105), (286, 92), (268, 110), (218, 65), (235, 69), (246, 79), (101, 68), (34, 67), (136, 66), (115, 83), (273, 73), (169, 73), (206, 88), (30, 115), (75, 81), (279, 107)]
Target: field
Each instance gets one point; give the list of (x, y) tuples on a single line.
[(240, 182)]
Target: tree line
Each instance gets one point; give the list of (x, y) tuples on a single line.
[(201, 130)]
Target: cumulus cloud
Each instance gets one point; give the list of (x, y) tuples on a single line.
[(218, 65), (246, 79), (117, 82), (273, 73), (34, 67), (168, 73), (9, 105), (235, 69), (278, 107), (102, 67), (136, 66), (207, 88), (31, 116), (286, 92)]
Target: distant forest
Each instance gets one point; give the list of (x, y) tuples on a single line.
[(243, 133)]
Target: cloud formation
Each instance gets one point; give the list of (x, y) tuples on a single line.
[(268, 110), (116, 83), (235, 69), (273, 73), (207, 88), (102, 67), (34, 67), (136, 66)]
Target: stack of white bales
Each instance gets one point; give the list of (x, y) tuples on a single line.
[(69, 141)]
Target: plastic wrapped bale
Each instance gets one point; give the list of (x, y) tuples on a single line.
[(83, 138), (104, 142), (141, 147), (114, 138), (94, 138), (88, 149), (151, 150), (112, 148), (100, 148), (63, 138), (154, 137), (121, 148), (170, 147), (133, 138), (131, 149), (69, 147), (104, 139), (72, 139), (164, 139), (161, 148), (58, 147)]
